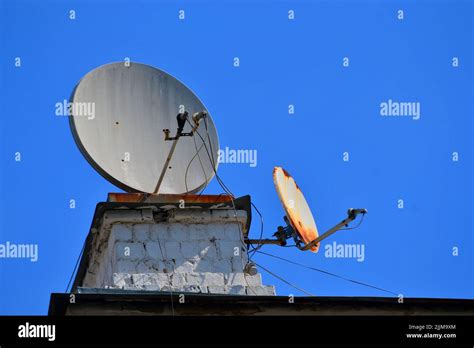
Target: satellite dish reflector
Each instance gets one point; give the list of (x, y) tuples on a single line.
[(124, 139), (300, 224), (296, 208)]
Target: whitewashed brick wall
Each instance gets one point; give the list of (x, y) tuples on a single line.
[(194, 251)]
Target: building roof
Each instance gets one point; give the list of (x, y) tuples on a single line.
[(126, 302)]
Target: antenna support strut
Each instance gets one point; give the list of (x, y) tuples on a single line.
[(181, 119)]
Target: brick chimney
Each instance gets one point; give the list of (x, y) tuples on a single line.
[(169, 244)]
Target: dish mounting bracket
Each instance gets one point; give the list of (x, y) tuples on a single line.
[(284, 233)]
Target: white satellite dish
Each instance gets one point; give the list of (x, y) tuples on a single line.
[(130, 140)]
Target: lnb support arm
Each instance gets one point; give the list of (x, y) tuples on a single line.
[(351, 216)]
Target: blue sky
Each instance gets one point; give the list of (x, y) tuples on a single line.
[(282, 62)]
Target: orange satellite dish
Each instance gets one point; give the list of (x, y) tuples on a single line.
[(299, 219), (296, 208)]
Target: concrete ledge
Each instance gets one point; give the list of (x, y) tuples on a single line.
[(193, 216), (114, 302)]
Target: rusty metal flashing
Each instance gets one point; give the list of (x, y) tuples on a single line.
[(168, 198)]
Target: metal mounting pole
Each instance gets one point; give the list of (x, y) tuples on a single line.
[(264, 241), (181, 118), (165, 166)]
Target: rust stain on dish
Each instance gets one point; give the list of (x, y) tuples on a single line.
[(287, 176), (296, 207)]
